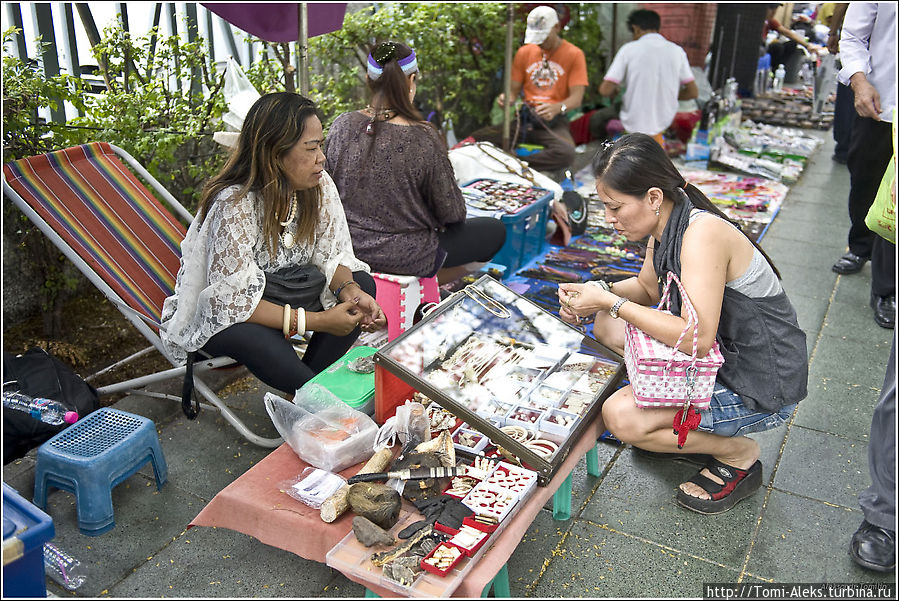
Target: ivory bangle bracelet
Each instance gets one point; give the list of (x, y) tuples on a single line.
[(285, 325), (301, 320)]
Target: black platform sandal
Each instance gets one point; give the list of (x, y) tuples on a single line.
[(738, 484)]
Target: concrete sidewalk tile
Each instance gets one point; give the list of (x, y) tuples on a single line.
[(537, 546), (855, 289), (809, 259), (595, 562), (233, 567), (854, 320), (639, 498), (582, 483), (145, 522), (798, 211), (797, 281), (190, 447), (802, 540), (852, 360), (809, 311), (838, 408), (823, 466), (818, 231)]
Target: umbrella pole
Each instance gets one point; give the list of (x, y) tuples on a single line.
[(303, 49), (507, 80)]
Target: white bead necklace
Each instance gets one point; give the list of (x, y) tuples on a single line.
[(287, 238)]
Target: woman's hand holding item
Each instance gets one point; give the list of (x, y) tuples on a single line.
[(583, 300), (373, 317), (340, 320)]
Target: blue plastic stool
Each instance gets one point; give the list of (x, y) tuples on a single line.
[(562, 497), (93, 456)]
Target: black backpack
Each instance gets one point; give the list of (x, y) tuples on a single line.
[(40, 374)]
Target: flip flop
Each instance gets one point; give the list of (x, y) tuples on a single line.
[(738, 484)]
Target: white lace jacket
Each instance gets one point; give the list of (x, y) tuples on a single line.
[(221, 278)]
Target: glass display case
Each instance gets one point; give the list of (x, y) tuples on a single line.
[(519, 375)]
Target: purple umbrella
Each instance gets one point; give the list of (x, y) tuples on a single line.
[(284, 22), (279, 22)]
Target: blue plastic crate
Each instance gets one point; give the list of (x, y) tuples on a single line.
[(25, 530), (525, 230)]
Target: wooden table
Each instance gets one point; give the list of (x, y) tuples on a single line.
[(255, 505)]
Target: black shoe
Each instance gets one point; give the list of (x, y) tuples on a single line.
[(849, 263), (884, 310), (873, 547)]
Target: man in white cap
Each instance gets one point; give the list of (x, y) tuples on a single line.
[(551, 73)]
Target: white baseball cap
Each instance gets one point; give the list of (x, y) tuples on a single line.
[(541, 20)]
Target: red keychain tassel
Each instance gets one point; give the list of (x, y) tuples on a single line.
[(683, 424)]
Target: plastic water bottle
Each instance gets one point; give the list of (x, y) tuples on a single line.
[(63, 568), (46, 410), (779, 76)]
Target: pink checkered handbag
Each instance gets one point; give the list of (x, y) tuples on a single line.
[(662, 376)]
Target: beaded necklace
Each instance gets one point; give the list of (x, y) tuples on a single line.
[(287, 238), (385, 114)]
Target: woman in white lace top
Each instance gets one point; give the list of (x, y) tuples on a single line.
[(272, 206)]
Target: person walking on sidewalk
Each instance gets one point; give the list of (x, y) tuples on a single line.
[(738, 299), (868, 54), (655, 74)]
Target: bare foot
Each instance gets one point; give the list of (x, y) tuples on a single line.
[(743, 457)]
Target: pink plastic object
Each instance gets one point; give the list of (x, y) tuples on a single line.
[(70, 417), (399, 297)]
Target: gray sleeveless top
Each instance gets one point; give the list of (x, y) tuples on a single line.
[(759, 280)]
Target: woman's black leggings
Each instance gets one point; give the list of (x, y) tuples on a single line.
[(272, 359), (474, 240)]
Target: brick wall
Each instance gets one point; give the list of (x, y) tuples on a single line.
[(689, 25)]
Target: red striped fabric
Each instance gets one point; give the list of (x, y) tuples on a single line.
[(112, 221)]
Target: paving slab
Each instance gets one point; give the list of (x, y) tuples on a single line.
[(803, 540), (823, 466), (597, 561)]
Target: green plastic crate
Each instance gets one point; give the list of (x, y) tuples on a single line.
[(356, 390)]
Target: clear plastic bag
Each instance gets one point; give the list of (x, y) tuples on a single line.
[(240, 95), (411, 423), (321, 429), (313, 486)]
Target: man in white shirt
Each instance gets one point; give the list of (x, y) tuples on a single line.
[(654, 73), (868, 55)]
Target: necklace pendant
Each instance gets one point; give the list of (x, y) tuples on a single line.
[(369, 129), (288, 240)]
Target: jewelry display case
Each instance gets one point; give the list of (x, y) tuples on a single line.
[(508, 369)]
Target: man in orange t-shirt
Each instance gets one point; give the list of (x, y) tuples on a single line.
[(552, 75)]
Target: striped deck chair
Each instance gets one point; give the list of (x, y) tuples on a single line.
[(99, 214)]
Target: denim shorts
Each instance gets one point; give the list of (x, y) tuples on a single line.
[(727, 415)]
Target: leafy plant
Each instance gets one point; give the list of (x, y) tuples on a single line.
[(459, 51)]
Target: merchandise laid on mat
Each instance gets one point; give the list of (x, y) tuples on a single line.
[(423, 544), (523, 382)]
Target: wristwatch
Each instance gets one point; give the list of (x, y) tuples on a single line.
[(614, 310)]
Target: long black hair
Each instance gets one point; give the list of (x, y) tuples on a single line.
[(636, 162)]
